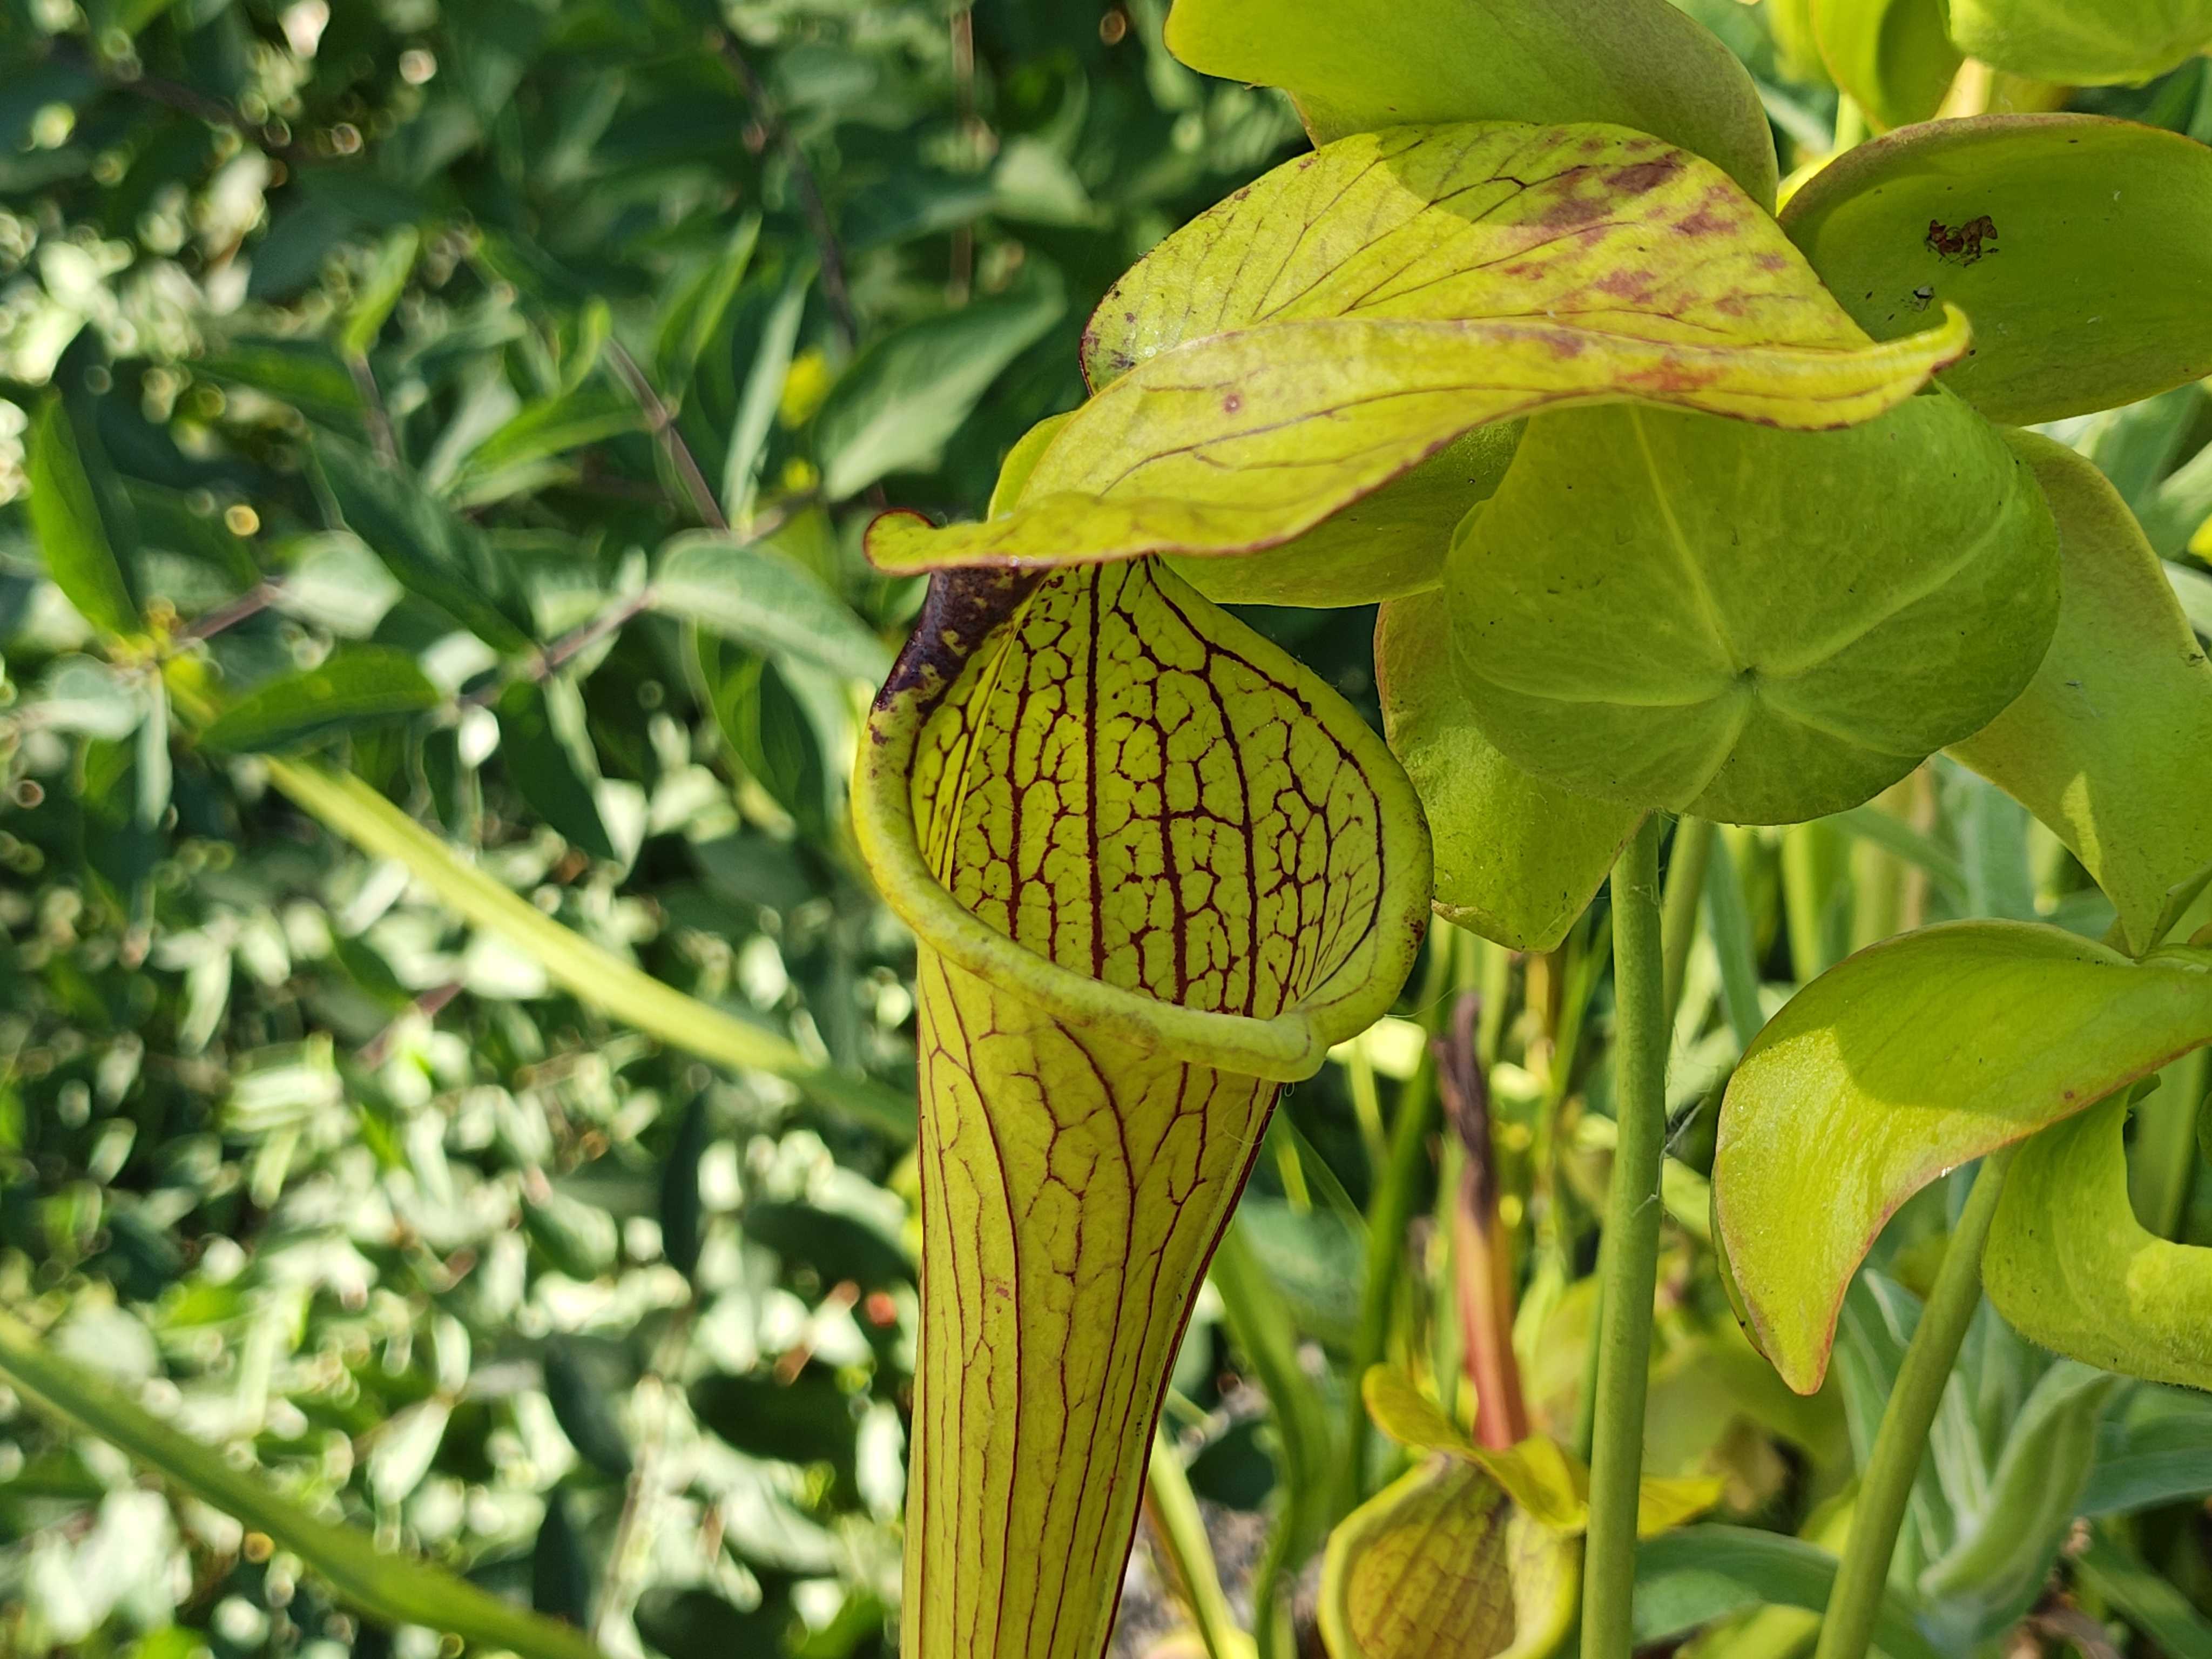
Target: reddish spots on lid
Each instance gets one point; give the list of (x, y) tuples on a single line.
[(1772, 262), (1638, 177), (1232, 403), (1624, 285)]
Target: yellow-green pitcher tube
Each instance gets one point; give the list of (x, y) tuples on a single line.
[(1156, 869)]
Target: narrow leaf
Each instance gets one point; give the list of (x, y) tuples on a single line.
[(385, 281), (2082, 247), (2111, 744), (765, 599), (2146, 1599), (1362, 64), (1689, 1578), (65, 519), (2069, 1265), (593, 975), (354, 686), (1517, 859), (433, 552), (391, 1589), (1911, 1059), (551, 763), (905, 396), (1440, 293)]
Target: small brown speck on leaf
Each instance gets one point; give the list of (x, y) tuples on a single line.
[(1964, 243)]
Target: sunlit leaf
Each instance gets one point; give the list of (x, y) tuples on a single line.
[(894, 409), (1431, 293), (1517, 859), (393, 1589), (1357, 66), (2083, 44), (65, 518), (355, 686), (1907, 1060), (2068, 1264), (1443, 1563), (1892, 56), (2111, 744), (1155, 868), (1669, 611), (762, 597), (2081, 248)]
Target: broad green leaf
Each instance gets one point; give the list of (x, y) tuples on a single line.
[(432, 551), (594, 977), (2069, 1265), (2078, 44), (383, 282), (1362, 64), (1907, 1060), (762, 598), (1892, 56), (355, 686), (2111, 744), (1755, 626), (1155, 868), (65, 519), (1517, 859), (904, 396), (1407, 288), (390, 1589), (1689, 1578), (551, 763), (1441, 1564), (2081, 248)]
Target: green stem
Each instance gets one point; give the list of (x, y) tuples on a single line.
[(1686, 884), (1260, 1326), (2163, 1166), (1886, 1486), (1180, 1530), (393, 1589), (593, 975), (1632, 1255)]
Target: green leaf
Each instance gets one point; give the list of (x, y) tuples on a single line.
[(1689, 1578), (434, 552), (1892, 56), (905, 396), (84, 694), (2082, 45), (390, 1589), (513, 458), (1517, 859), (355, 686), (592, 974), (582, 1401), (550, 760), (1394, 297), (2148, 1601), (385, 281), (2002, 1557), (690, 323), (65, 519), (2081, 248), (1441, 1564), (1753, 625), (2071, 1267), (1362, 64), (808, 1420), (683, 1207), (764, 391), (1909, 1059), (2155, 1450), (762, 598), (304, 374), (2108, 745)]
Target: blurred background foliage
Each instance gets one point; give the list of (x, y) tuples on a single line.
[(489, 396)]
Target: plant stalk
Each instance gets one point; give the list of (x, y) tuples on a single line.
[(1886, 1486), (1686, 886), (1179, 1527), (1632, 1255)]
